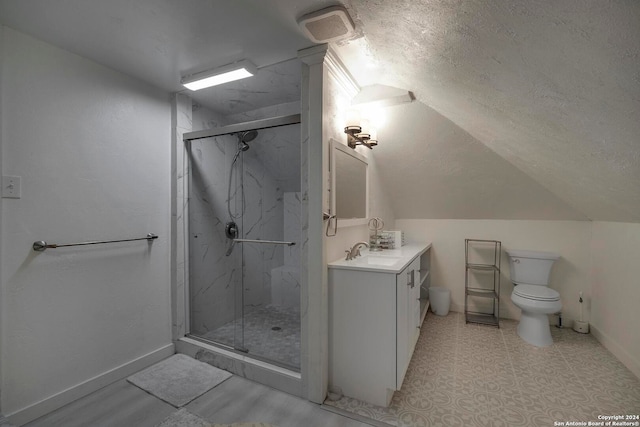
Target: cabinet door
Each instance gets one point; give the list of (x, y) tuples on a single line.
[(408, 316), (415, 305), (403, 313), (362, 334)]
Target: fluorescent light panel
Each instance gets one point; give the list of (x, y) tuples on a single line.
[(217, 76)]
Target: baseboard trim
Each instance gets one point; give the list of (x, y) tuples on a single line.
[(71, 394), (623, 355), (354, 416), (4, 422), (454, 307)]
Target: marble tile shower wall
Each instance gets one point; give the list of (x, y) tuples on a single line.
[(213, 275), (285, 280), (269, 169), (182, 122)]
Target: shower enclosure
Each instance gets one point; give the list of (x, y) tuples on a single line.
[(244, 239)]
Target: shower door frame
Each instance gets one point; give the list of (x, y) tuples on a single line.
[(187, 137), (292, 119)]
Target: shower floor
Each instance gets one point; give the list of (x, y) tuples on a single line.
[(270, 332)]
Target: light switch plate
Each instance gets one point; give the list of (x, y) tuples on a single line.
[(11, 187)]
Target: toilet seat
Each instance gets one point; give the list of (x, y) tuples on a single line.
[(536, 293)]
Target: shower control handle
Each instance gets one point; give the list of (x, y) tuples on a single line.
[(231, 230)]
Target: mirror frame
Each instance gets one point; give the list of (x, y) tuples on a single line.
[(338, 146)]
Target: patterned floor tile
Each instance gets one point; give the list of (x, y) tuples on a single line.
[(474, 375), (365, 409)]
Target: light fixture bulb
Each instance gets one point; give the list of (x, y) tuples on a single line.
[(358, 130), (353, 118), (217, 76), (219, 79)]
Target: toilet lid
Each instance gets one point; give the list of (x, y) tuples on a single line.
[(538, 293)]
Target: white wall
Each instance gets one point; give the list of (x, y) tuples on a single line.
[(437, 170), (337, 101), (93, 149), (570, 239), (614, 274), (379, 206)]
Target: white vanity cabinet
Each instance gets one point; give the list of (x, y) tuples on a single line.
[(374, 322), (407, 317)]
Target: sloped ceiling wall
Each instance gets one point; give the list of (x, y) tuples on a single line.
[(433, 169), (551, 86)]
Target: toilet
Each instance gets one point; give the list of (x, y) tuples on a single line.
[(530, 274)]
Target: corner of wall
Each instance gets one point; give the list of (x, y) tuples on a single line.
[(314, 343), (1, 203), (614, 290), (181, 122), (327, 90)]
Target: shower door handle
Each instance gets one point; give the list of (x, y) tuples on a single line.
[(273, 242)]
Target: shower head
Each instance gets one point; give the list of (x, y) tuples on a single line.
[(243, 146), (247, 136)]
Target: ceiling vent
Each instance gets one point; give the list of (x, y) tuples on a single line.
[(327, 25)]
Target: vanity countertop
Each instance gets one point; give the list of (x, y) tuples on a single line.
[(385, 261)]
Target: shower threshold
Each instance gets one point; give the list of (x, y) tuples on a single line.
[(242, 364), (244, 352)]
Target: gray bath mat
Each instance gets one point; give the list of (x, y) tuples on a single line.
[(243, 425), (183, 418), (179, 379)]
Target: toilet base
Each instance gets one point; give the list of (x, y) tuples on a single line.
[(534, 329)]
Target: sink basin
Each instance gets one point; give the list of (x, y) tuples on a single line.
[(378, 260)]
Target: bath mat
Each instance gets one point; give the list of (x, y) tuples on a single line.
[(183, 418), (243, 425), (179, 379)]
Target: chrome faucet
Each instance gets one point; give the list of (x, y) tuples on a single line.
[(355, 250)]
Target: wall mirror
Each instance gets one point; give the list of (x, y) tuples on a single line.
[(349, 184)]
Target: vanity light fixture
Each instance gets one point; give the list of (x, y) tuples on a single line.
[(227, 73), (373, 138), (356, 137), (355, 134)]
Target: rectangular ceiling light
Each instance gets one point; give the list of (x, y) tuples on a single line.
[(228, 73)]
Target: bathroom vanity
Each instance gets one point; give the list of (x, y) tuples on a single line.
[(377, 303)]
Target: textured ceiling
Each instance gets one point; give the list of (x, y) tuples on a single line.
[(552, 87)]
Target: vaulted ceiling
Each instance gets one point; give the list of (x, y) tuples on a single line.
[(546, 93), (551, 86)]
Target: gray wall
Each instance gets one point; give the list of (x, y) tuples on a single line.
[(93, 149)]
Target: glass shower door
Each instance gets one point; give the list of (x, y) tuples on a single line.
[(270, 266), (246, 296), (215, 277)]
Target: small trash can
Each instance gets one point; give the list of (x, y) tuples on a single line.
[(440, 299)]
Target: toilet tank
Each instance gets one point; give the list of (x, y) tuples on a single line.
[(530, 267)]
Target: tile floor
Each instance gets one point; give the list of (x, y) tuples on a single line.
[(474, 375), (281, 345), (236, 400)]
